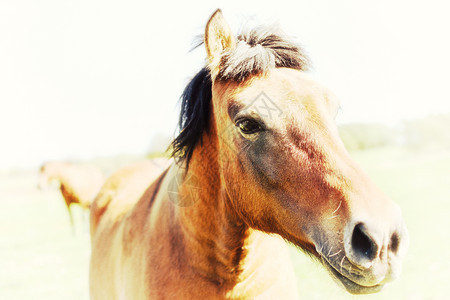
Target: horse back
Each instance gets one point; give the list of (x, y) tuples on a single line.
[(121, 191)]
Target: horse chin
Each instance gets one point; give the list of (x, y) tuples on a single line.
[(351, 286)]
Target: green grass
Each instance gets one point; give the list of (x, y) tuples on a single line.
[(42, 258)]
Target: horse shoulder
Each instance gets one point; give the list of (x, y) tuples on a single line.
[(118, 217), (121, 191)]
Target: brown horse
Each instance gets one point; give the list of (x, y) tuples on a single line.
[(79, 183), (259, 161)]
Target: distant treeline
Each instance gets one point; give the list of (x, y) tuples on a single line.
[(430, 132)]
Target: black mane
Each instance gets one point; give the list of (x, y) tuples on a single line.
[(257, 52), (194, 115)]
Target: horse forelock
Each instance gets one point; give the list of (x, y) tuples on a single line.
[(258, 51)]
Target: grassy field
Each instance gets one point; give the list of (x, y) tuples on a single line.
[(42, 257)]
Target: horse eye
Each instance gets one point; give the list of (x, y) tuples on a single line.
[(248, 126)]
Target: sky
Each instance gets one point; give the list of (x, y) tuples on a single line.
[(83, 79)]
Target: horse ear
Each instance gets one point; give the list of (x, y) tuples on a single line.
[(218, 39)]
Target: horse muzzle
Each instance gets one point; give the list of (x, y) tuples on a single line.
[(368, 258)]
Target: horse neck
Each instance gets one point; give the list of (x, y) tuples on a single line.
[(214, 235)]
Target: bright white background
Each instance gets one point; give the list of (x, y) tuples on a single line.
[(80, 79)]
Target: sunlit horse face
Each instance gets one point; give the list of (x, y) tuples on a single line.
[(295, 177)]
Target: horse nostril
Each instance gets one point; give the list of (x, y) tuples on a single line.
[(363, 245), (394, 242)]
